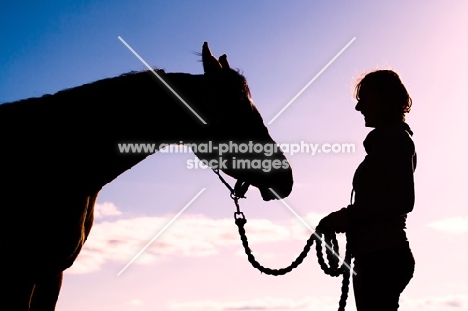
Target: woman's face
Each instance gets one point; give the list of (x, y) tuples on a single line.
[(370, 106)]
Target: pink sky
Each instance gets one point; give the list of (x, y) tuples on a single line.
[(197, 263)]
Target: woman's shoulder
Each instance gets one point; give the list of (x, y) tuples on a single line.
[(391, 140)]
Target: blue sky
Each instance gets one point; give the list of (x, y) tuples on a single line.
[(280, 46)]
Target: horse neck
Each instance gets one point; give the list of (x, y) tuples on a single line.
[(144, 110), (77, 130), (157, 114)]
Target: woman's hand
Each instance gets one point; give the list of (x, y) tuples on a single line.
[(335, 222)]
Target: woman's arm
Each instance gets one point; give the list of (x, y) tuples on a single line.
[(385, 189), (385, 185)]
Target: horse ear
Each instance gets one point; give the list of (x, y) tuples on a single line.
[(210, 63), (224, 62)]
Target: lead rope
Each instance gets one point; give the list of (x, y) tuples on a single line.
[(332, 269)]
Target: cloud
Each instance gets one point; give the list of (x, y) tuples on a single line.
[(300, 231), (324, 303), (267, 303), (451, 225), (136, 302), (190, 236), (444, 303), (105, 209)]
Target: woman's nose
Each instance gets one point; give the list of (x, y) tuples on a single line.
[(358, 106)]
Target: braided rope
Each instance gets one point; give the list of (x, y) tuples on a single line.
[(332, 269), (329, 239)]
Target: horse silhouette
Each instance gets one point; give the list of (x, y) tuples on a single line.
[(58, 151)]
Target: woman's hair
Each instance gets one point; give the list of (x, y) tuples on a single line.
[(391, 91)]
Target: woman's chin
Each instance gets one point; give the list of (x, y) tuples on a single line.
[(369, 124)]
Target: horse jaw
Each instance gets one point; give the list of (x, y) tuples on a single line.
[(274, 186)]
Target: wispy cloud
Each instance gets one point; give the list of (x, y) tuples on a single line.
[(190, 236), (451, 225), (136, 302), (324, 303), (443, 303), (266, 303), (105, 209)]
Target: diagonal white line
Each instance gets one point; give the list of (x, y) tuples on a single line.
[(312, 230), (313, 79), (159, 233), (164, 82)]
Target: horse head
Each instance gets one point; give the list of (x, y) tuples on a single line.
[(242, 146)]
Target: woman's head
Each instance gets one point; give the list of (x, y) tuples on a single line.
[(382, 98)]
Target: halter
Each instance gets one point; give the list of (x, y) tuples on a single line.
[(332, 269)]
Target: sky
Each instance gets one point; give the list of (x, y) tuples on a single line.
[(197, 263)]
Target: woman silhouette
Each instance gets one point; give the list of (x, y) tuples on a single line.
[(383, 189)]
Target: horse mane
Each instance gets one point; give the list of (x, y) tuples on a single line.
[(117, 79), (235, 76), (122, 98)]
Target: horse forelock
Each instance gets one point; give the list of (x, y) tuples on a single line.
[(243, 81)]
